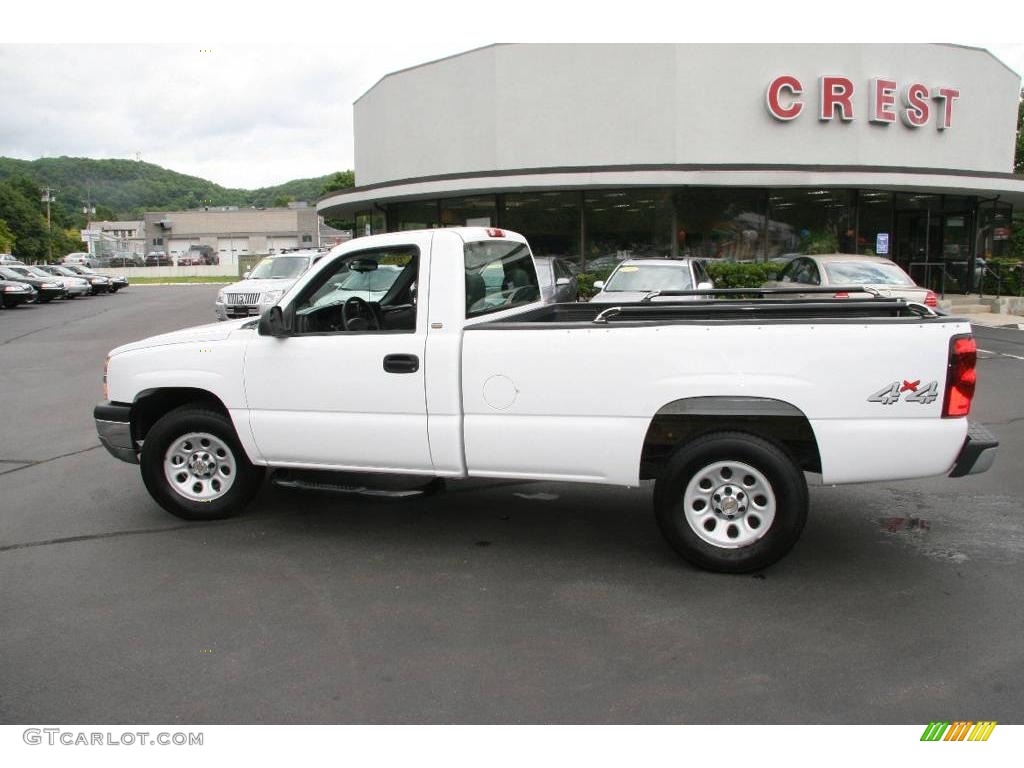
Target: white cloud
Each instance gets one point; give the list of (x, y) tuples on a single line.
[(241, 115)]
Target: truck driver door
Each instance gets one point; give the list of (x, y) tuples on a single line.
[(345, 390)]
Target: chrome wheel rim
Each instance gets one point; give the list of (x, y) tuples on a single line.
[(729, 504), (200, 466)]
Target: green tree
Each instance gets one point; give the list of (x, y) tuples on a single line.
[(340, 180), (281, 201), (21, 209), (6, 238), (1018, 160)]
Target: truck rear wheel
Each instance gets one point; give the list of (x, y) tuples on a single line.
[(194, 466), (731, 502)]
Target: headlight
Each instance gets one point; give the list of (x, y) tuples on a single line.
[(14, 289), (220, 295), (50, 285), (270, 298)]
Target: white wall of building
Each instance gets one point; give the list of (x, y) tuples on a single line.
[(512, 107)]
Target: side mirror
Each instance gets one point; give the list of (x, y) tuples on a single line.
[(599, 285), (705, 286), (245, 275), (562, 281), (272, 323)]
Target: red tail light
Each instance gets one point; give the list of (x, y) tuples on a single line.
[(960, 376), (493, 232), (931, 300), (841, 295)]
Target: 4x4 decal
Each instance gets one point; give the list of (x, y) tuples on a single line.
[(915, 393)]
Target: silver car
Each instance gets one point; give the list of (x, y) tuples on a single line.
[(558, 282), (847, 270), (637, 279)]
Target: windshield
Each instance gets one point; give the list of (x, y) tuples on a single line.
[(865, 273), (279, 267), (379, 279), (37, 272), (660, 277)]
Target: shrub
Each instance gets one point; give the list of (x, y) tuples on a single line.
[(743, 274)]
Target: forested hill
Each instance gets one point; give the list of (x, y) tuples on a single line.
[(126, 188), (118, 190)]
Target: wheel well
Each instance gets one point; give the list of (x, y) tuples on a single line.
[(683, 420), (152, 404)]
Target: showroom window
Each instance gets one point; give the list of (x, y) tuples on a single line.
[(479, 211), (720, 223), (550, 221), (875, 223), (810, 221), (418, 215), (627, 224)]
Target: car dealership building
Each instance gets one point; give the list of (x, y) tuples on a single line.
[(739, 152)]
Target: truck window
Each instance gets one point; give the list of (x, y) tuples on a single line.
[(364, 291), (499, 275)]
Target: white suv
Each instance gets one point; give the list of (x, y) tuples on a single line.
[(264, 285)]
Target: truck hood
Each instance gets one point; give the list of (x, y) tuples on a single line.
[(211, 332)]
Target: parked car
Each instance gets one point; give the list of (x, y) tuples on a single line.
[(123, 261), (198, 255), (117, 282), (47, 288), (264, 284), (844, 270), (716, 402), (636, 279), (558, 281), (73, 286), (14, 293), (82, 259), (97, 283), (158, 259), (7, 259)]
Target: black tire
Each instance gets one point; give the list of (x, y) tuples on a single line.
[(183, 421), (785, 481)]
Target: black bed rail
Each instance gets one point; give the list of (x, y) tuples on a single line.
[(767, 308)]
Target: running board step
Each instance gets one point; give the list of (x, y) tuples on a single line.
[(361, 484)]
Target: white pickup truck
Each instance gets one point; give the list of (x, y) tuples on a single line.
[(460, 371)]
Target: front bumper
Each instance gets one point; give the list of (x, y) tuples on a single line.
[(234, 311), (978, 452), (14, 299), (113, 425)]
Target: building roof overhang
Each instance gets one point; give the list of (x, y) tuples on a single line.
[(1006, 187)]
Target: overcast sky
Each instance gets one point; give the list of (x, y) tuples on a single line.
[(242, 116)]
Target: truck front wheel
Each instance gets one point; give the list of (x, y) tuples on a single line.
[(731, 502), (194, 466)]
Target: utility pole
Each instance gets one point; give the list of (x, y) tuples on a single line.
[(90, 210), (48, 197)]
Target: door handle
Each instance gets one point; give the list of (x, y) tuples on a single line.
[(401, 363)]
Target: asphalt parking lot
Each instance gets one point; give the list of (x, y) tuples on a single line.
[(494, 602)]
